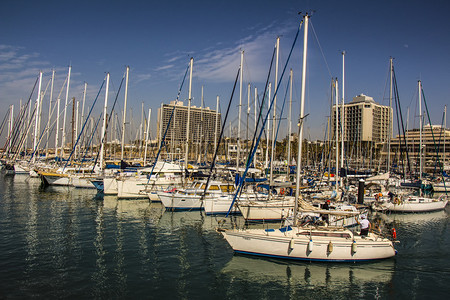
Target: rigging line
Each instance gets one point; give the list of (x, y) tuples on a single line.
[(168, 125), (4, 120), (92, 135), (14, 132), (261, 105), (440, 139), (281, 114), (220, 138), (242, 179), (434, 140), (320, 47), (107, 125), (85, 122), (401, 119)]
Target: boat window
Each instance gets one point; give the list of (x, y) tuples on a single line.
[(326, 234), (227, 188), (214, 187)]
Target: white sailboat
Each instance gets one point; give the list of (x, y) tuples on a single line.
[(194, 197), (313, 243), (164, 174), (412, 204)]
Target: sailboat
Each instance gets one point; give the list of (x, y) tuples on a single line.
[(410, 203), (313, 243)]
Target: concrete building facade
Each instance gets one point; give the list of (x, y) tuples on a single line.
[(364, 120), (204, 123)]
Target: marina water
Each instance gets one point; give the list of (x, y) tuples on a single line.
[(71, 243)]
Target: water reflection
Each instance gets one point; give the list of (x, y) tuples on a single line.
[(99, 277), (416, 218), (262, 271), (175, 220)]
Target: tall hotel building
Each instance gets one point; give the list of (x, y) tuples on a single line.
[(204, 123), (364, 120)]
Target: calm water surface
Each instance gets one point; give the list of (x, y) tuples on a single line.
[(68, 243)]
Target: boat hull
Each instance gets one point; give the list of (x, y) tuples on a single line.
[(83, 183), (266, 210), (288, 245), (178, 202), (220, 205), (55, 179), (412, 207), (110, 186)]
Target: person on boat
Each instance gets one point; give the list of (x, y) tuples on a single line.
[(325, 206), (365, 226), (391, 196)]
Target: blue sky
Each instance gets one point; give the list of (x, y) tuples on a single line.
[(156, 39)]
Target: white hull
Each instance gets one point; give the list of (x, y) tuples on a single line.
[(332, 245), (110, 186), (219, 205), (440, 188), (81, 182), (20, 170), (269, 210), (57, 180), (140, 187), (153, 196), (414, 205), (175, 201)]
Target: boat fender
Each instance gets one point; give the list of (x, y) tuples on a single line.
[(291, 244), (394, 234), (310, 245), (354, 246), (282, 191), (330, 247)]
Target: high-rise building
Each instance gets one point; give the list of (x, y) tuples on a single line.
[(364, 120), (204, 123)]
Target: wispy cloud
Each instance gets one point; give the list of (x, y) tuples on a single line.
[(166, 67), (222, 63), (138, 78), (18, 72)]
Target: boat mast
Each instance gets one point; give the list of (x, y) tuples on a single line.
[(82, 109), (146, 135), (420, 130), (188, 114), (337, 134), (124, 112), (248, 118), (274, 143), (58, 104), (102, 139), (289, 122), (256, 98), (65, 114), (391, 116), (11, 124), (302, 109), (238, 139), (342, 113), (268, 130), (201, 131), (141, 127), (49, 112), (217, 123), (445, 134), (36, 118)]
